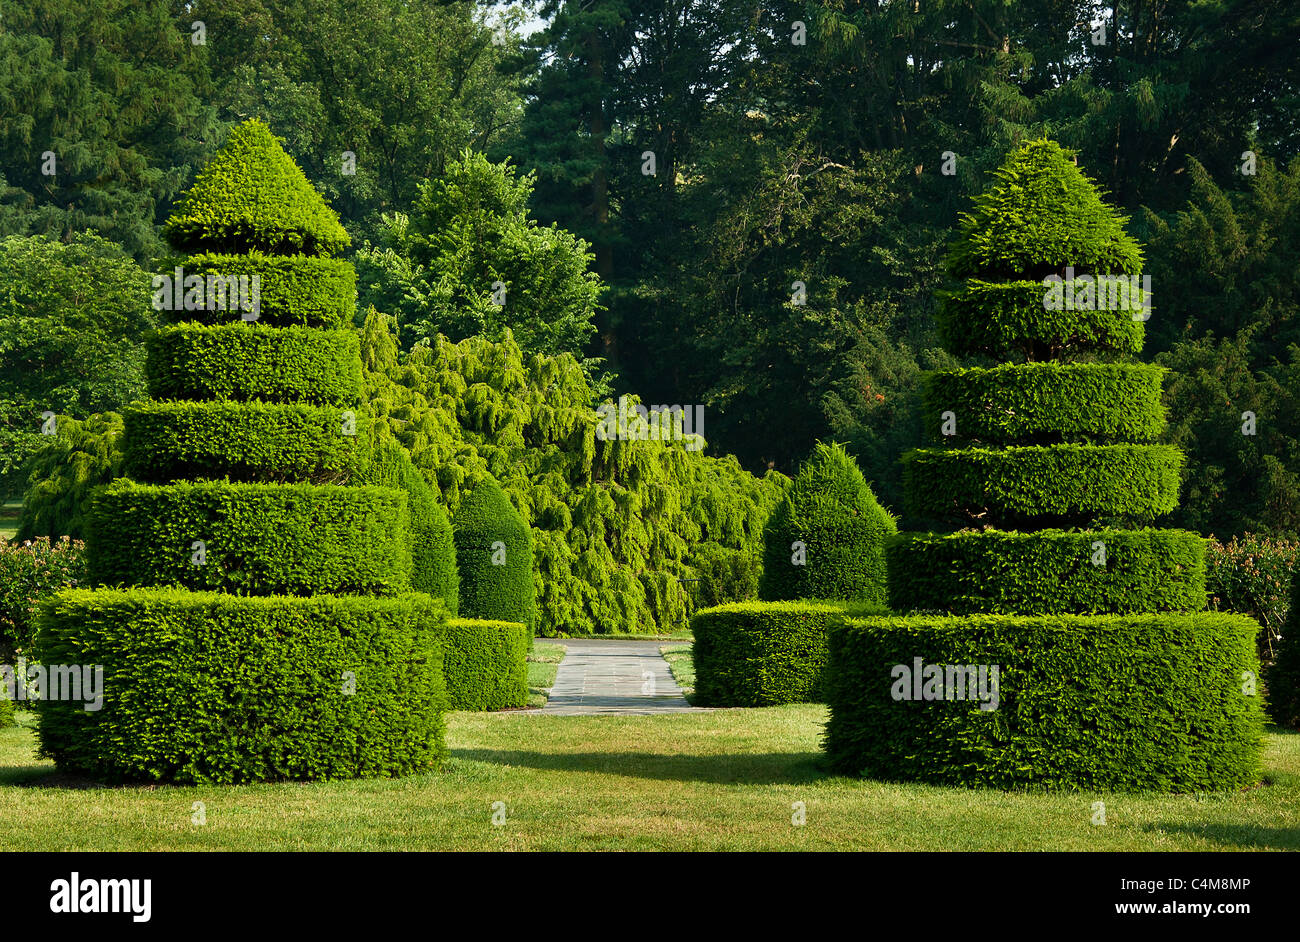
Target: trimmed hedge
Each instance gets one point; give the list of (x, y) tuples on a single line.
[(251, 195), (433, 547), (241, 362), (1049, 571), (494, 553), (1019, 482), (1284, 675), (1048, 402), (750, 654), (203, 687), (245, 441), (486, 664), (1103, 701), (1002, 318), (831, 510), (259, 539), (295, 290)]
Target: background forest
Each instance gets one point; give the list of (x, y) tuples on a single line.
[(732, 203)]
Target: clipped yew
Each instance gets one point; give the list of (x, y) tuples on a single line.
[(1072, 652)]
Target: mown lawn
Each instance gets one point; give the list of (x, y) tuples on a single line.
[(723, 780), (543, 664)]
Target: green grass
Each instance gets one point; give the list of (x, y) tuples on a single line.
[(9, 514), (681, 662), (542, 666), (723, 780)]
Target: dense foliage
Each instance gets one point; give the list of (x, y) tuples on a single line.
[(31, 571), (826, 539), (620, 527), (486, 664)]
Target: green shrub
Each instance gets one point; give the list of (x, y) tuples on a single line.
[(251, 195), (259, 539), (750, 654), (294, 290), (245, 441), (433, 547), (830, 510), (1284, 676), (1040, 403), (29, 572), (221, 689), (62, 475), (1152, 701), (241, 362), (6, 710), (1252, 575), (1049, 571), (995, 486), (486, 664), (494, 553), (1041, 214), (1010, 319)]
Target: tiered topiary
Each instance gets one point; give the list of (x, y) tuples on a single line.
[(258, 621), (1105, 677), (823, 552)]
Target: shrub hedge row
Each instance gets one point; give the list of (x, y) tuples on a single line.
[(750, 654), (259, 539), (1002, 319), (245, 441), (294, 290), (1046, 402), (494, 553), (214, 688), (1146, 701), (1048, 571), (241, 362), (1023, 482), (486, 664)]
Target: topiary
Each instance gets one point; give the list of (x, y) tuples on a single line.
[(826, 539), (494, 553), (252, 196)]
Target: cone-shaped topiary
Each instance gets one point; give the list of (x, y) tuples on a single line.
[(826, 539), (1148, 695), (313, 658), (494, 554), (252, 195)]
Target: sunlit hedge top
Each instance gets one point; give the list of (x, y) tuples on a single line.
[(1041, 215), (251, 195)]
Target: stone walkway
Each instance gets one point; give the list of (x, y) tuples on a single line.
[(614, 677)]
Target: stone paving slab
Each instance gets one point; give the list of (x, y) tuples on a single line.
[(627, 678)]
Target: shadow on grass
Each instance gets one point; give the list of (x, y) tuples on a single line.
[(771, 768), (1237, 835)]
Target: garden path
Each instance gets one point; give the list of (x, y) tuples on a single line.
[(614, 677)]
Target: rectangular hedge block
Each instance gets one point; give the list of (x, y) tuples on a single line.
[(763, 653), (1164, 702), (486, 664)]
